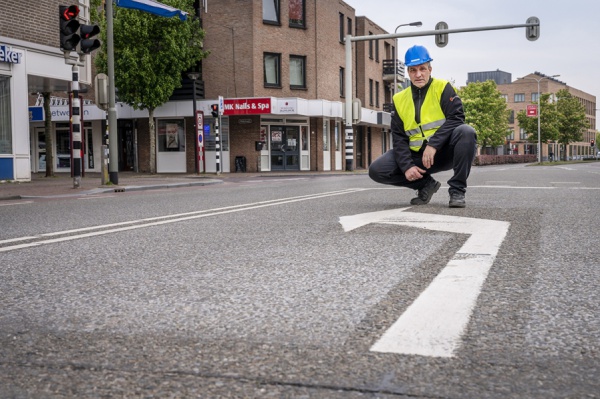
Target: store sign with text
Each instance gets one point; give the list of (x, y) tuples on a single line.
[(247, 106)]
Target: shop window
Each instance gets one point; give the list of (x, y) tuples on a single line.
[(271, 12), (272, 73), (5, 120), (326, 135), (171, 135), (297, 72), (63, 145), (297, 14)]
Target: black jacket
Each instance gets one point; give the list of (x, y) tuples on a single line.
[(451, 107)]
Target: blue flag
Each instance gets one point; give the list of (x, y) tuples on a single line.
[(153, 7)]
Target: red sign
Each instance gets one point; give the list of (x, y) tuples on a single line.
[(532, 110), (247, 106)]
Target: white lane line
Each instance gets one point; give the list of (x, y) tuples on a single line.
[(16, 203), (434, 323), (96, 197), (156, 221)]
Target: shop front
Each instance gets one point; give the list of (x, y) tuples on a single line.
[(92, 121)]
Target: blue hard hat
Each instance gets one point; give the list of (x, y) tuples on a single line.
[(416, 55)]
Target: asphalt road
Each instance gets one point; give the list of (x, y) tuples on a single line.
[(258, 288)]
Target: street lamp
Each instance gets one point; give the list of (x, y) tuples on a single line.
[(418, 23), (539, 146), (194, 76)]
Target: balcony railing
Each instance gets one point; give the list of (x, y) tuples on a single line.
[(390, 69), (185, 92)]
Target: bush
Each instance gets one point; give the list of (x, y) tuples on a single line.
[(481, 160)]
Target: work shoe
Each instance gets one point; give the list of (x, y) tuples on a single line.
[(424, 194), (457, 200)]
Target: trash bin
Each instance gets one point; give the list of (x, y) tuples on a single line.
[(240, 164)]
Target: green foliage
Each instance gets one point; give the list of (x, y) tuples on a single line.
[(572, 122), (486, 111), (549, 121), (150, 52)]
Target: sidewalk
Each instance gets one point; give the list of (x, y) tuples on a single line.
[(61, 185)]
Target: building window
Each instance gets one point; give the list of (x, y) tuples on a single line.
[(377, 94), (271, 12), (511, 134), (170, 135), (377, 50), (371, 46), (511, 117), (5, 121), (272, 63), (534, 97), (342, 35), (523, 134), (350, 26), (371, 92), (297, 72), (342, 80), (297, 14), (519, 97), (505, 97)]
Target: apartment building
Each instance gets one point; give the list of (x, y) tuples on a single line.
[(524, 91), (280, 66)]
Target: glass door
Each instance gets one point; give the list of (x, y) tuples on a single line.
[(285, 149)]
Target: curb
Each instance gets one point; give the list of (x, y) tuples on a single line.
[(118, 189)]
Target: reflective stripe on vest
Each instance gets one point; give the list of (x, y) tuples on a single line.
[(432, 116)]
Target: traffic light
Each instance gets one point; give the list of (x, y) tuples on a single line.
[(87, 44), (592, 143), (532, 32), (441, 39), (69, 25), (214, 110)]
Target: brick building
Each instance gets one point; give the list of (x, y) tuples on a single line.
[(291, 53), (524, 91)]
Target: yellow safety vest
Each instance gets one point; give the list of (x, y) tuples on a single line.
[(432, 116)]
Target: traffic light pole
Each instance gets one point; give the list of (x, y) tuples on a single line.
[(217, 145), (76, 129)]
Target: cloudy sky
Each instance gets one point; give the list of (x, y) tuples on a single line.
[(569, 44)]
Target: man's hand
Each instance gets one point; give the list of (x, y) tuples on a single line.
[(414, 173), (428, 155)]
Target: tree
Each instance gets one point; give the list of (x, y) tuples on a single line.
[(572, 121), (150, 55), (549, 121), (486, 112)]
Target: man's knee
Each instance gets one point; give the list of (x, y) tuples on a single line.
[(375, 173), (466, 134)]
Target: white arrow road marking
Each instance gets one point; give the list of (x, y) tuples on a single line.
[(435, 322)]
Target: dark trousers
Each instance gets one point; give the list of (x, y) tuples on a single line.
[(458, 154)]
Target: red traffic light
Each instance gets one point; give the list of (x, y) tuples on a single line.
[(69, 25), (214, 110), (69, 12)]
